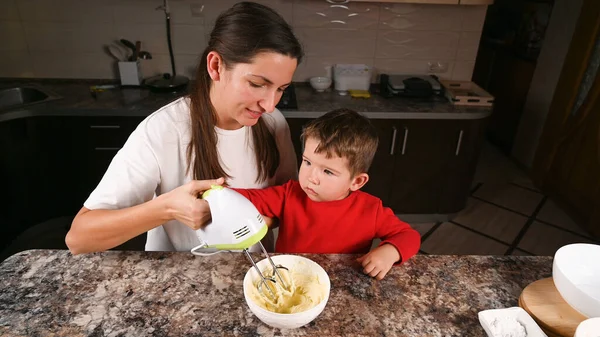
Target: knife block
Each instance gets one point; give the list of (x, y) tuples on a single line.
[(130, 73)]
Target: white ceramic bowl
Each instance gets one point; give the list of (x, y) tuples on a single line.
[(576, 274), (320, 83), (287, 321), (588, 328)]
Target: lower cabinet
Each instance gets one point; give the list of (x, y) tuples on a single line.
[(423, 148), (105, 137), (52, 164), (462, 164), (422, 166), (74, 152), (296, 125), (15, 150), (382, 168), (434, 168)]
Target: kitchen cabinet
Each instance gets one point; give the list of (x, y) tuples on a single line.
[(426, 166), (382, 167), (422, 166), (74, 152), (424, 147), (105, 137), (52, 164), (15, 148), (462, 164), (296, 125), (37, 171), (57, 166)]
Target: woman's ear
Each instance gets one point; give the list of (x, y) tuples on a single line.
[(214, 64), (359, 181)]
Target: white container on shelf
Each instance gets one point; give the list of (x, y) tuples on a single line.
[(351, 77)]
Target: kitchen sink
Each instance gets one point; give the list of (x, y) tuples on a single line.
[(17, 97)]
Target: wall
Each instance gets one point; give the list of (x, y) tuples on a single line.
[(66, 38), (549, 65)]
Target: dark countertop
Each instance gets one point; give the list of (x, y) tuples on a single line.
[(313, 104), (45, 292), (77, 100)]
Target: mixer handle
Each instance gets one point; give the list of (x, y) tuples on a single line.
[(203, 250)]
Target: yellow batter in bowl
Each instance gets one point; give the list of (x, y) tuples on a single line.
[(306, 291)]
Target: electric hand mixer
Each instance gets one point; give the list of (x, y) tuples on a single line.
[(236, 225)]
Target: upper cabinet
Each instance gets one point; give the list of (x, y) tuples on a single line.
[(433, 2)]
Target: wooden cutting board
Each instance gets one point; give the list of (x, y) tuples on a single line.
[(543, 302)]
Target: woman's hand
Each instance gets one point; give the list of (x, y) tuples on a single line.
[(378, 262), (185, 206)]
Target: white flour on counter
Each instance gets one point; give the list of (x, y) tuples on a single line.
[(507, 327)]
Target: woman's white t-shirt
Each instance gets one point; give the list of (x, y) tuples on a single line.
[(153, 161)]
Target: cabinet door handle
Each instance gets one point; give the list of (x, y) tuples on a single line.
[(394, 133), (459, 143), (405, 140), (105, 126), (107, 148)]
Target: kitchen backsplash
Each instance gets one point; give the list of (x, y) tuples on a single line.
[(66, 39)]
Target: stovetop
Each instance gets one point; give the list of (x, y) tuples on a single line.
[(288, 99)]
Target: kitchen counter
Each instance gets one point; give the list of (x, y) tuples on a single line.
[(45, 292), (313, 104), (77, 100)]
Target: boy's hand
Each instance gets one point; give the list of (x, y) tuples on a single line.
[(379, 261), (271, 222)]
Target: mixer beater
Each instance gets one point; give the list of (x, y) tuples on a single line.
[(236, 225)]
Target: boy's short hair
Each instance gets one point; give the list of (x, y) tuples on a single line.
[(347, 134)]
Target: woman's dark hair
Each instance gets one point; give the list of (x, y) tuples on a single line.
[(240, 33)]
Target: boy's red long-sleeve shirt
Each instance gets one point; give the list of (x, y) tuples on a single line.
[(343, 226)]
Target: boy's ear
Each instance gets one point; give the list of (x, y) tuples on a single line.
[(359, 181)]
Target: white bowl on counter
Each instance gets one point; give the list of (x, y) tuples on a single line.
[(588, 328), (320, 83), (293, 320), (576, 275)]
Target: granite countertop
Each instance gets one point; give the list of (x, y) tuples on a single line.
[(313, 104), (76, 99), (52, 293)]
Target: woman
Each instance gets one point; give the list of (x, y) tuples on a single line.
[(228, 127)]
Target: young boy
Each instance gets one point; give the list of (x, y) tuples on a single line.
[(324, 212)]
